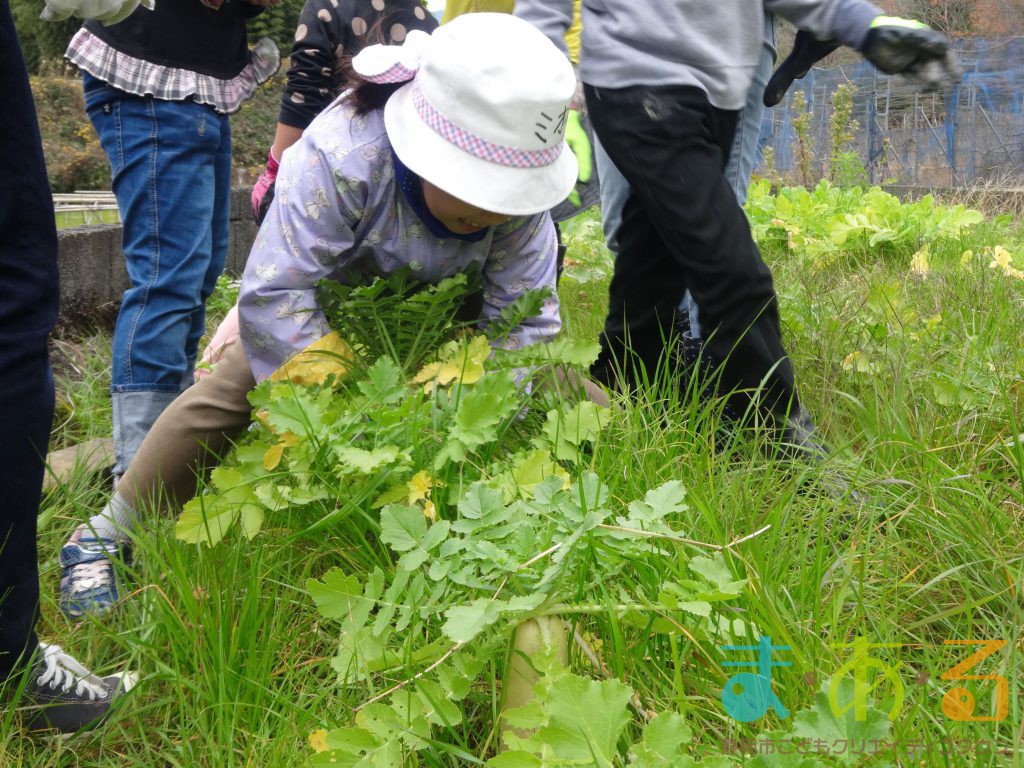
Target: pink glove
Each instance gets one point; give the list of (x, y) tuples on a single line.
[(224, 337), (263, 191)]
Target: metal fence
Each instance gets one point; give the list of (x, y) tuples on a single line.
[(973, 132)]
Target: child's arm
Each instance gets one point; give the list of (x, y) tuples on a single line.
[(307, 236), (523, 256)]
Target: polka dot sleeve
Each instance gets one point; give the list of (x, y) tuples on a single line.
[(331, 29)]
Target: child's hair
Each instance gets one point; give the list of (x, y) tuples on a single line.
[(363, 95)]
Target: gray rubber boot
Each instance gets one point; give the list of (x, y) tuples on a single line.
[(134, 413)]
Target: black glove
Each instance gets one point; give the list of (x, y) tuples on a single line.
[(906, 47), (807, 51)]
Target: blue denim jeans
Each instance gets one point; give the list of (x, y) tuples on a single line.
[(171, 168), (742, 159)]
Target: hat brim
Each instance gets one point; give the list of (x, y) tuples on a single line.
[(487, 185)]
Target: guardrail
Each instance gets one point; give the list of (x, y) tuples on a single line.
[(87, 197)]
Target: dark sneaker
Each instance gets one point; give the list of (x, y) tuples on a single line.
[(64, 696), (800, 441), (87, 581)]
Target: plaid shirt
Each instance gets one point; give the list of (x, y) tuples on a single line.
[(143, 78)]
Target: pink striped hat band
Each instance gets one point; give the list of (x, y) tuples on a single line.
[(399, 64), (512, 157), (396, 73)]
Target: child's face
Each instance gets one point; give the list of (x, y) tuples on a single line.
[(461, 218)]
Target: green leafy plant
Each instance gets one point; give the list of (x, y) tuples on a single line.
[(483, 508), (827, 222), (802, 128), (396, 316), (845, 166)]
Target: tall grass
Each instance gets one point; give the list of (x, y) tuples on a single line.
[(928, 426)]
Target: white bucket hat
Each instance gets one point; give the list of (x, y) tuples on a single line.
[(483, 117)]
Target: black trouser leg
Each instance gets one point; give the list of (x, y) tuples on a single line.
[(28, 308), (643, 299), (683, 228), (562, 248)]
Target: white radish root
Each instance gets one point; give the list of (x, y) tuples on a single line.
[(545, 635)]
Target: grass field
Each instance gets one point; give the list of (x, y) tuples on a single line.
[(908, 352), (68, 219)]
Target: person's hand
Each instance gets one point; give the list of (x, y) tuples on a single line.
[(907, 47), (106, 11), (263, 191), (578, 141), (225, 335), (807, 51)]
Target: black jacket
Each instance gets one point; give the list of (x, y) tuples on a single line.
[(185, 34), (330, 31)]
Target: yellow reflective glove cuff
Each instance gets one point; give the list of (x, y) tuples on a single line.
[(896, 21), (578, 141)]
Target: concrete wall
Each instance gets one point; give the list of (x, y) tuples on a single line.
[(92, 269)]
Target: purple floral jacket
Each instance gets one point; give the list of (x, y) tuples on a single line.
[(339, 207)]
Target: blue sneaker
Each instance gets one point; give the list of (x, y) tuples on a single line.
[(87, 582)]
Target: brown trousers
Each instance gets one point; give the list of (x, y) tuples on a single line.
[(193, 431)]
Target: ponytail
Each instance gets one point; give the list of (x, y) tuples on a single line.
[(361, 94)]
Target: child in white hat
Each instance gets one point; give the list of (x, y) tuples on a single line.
[(446, 156)]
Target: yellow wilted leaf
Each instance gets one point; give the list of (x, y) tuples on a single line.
[(325, 356), (429, 511), (419, 486), (1002, 259), (273, 457), (318, 740), (275, 452), (919, 264), (965, 258), (459, 362)]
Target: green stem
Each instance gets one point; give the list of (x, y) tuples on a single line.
[(563, 609)]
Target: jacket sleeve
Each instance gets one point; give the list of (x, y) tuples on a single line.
[(523, 256), (552, 17), (320, 38), (329, 30), (308, 235), (847, 21)]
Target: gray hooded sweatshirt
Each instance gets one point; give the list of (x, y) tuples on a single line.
[(711, 44)]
